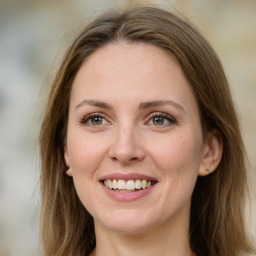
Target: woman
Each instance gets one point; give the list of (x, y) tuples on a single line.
[(140, 144)]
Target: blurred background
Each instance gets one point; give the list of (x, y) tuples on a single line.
[(33, 37)]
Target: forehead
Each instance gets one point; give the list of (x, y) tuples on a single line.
[(129, 55), (130, 71)]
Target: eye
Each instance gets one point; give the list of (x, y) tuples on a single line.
[(161, 119), (94, 119)]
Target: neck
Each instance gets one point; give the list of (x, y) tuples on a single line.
[(161, 240)]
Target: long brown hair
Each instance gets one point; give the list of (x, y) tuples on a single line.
[(217, 210)]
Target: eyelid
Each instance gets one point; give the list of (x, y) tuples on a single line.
[(85, 118), (169, 117)]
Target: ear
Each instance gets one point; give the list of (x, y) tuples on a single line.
[(212, 153), (69, 171)]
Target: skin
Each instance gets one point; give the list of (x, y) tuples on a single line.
[(128, 138)]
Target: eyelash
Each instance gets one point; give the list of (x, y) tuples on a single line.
[(171, 120), (85, 119)]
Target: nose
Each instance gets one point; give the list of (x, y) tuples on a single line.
[(125, 147)]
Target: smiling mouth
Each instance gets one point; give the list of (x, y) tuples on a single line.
[(120, 185)]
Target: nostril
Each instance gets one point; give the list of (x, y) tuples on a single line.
[(126, 148), (126, 160)]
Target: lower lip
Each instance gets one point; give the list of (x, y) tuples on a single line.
[(127, 196)]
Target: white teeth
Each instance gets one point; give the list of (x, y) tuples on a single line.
[(144, 184), (129, 185), (115, 184), (121, 184), (110, 184), (138, 184)]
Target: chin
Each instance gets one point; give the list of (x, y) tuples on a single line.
[(127, 228), (127, 223)]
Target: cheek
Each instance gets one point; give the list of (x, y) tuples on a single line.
[(181, 153), (85, 152), (178, 158)]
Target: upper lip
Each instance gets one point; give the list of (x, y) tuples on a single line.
[(127, 176)]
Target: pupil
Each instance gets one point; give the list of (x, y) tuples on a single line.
[(158, 120), (97, 120)]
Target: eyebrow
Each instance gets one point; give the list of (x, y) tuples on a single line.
[(94, 103), (158, 103), (143, 105)]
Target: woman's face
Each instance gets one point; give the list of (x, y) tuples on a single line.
[(134, 140)]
